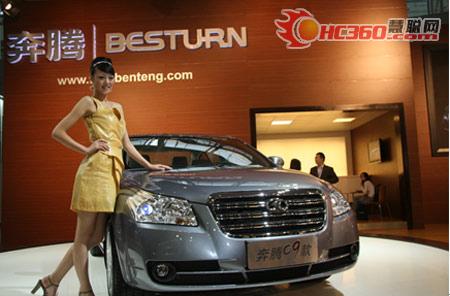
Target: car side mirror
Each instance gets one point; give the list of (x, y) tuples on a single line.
[(276, 160)]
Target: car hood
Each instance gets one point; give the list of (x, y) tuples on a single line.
[(198, 185)]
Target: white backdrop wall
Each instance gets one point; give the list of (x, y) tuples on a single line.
[(335, 146)]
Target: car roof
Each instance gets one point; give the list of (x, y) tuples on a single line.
[(202, 136)]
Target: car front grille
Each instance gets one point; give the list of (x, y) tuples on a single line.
[(269, 213)]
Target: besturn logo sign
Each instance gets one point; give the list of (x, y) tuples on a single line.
[(58, 45), (300, 28)]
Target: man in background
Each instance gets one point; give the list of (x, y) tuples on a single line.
[(323, 171)]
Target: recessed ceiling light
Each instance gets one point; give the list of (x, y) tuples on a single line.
[(8, 6), (281, 122), (346, 119)]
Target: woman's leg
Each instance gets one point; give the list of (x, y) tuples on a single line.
[(99, 232), (86, 223), (67, 261), (56, 276)]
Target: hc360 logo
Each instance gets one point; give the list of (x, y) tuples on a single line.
[(300, 28)]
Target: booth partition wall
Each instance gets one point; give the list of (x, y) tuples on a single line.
[(196, 67)]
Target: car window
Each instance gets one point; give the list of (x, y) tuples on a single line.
[(193, 152)]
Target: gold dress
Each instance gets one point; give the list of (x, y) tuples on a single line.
[(98, 176)]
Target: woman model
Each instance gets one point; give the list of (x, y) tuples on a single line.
[(98, 176)]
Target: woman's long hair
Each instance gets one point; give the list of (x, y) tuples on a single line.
[(366, 178)]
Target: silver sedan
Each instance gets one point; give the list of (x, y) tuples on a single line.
[(225, 217)]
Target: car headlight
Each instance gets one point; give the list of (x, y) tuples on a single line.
[(339, 203), (154, 208)]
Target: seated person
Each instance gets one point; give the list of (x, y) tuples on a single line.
[(365, 196)]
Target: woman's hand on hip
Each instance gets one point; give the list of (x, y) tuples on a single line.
[(98, 145)]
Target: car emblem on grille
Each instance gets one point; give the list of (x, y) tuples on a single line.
[(277, 205)]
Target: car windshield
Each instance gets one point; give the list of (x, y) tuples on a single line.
[(197, 152)]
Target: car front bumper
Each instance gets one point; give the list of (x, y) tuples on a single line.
[(204, 258)]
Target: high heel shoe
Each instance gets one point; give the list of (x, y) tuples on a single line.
[(40, 284)]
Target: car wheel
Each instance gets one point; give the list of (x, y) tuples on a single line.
[(116, 284), (97, 251)]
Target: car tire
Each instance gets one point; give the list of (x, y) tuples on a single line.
[(97, 251), (115, 282)]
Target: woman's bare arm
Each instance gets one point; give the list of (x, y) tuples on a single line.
[(59, 133), (134, 154)]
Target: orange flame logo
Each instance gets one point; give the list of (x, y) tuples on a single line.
[(299, 29)]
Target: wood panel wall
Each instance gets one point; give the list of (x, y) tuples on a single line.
[(434, 182), (38, 172)]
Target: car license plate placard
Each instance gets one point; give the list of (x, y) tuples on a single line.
[(279, 253)]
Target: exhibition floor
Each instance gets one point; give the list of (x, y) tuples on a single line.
[(385, 267)]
